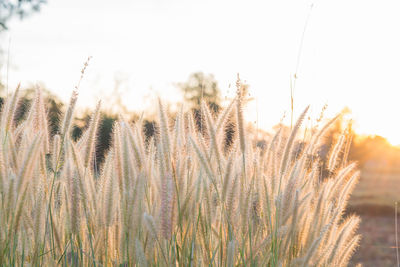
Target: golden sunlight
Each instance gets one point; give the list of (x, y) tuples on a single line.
[(165, 156)]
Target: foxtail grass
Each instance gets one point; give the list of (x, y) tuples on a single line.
[(182, 198)]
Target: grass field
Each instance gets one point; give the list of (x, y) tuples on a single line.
[(191, 196)]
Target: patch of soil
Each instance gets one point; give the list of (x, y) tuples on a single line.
[(378, 243), (371, 209)]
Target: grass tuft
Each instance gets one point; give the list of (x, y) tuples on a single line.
[(182, 198)]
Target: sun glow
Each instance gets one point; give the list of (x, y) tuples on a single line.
[(394, 139), (156, 44)]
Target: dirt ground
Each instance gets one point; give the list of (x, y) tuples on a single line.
[(377, 247), (373, 200)]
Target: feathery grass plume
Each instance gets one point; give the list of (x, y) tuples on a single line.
[(138, 151), (138, 203), (166, 206), (292, 237), (9, 110), (270, 158), (289, 144), (349, 139), (203, 160), (212, 133), (92, 130), (288, 194), (86, 187), (37, 118), (339, 181), (54, 153), (337, 149), (345, 192), (177, 131), (140, 135), (318, 211), (313, 249), (28, 163), (345, 233), (117, 146), (313, 146), (38, 222), (208, 206), (223, 117), (164, 133), (239, 113), (73, 193), (231, 200), (69, 115), (347, 251), (109, 191), (227, 178), (10, 146)]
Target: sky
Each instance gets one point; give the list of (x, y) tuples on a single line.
[(344, 54)]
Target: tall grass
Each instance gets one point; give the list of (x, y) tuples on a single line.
[(184, 198)]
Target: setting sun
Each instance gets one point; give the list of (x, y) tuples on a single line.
[(393, 139)]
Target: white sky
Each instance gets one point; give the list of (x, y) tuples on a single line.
[(350, 55)]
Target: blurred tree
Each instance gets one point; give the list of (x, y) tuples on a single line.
[(104, 133), (20, 8), (375, 151), (54, 106), (200, 86)]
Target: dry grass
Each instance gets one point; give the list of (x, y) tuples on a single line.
[(182, 199)]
